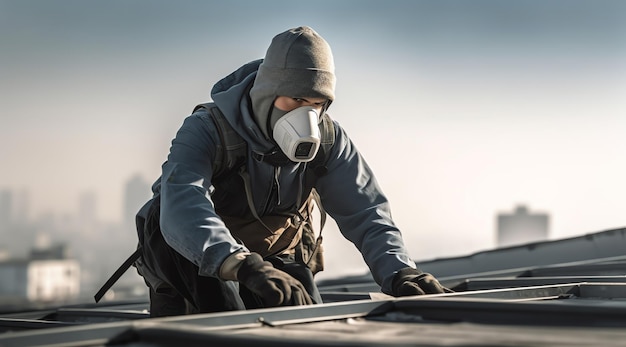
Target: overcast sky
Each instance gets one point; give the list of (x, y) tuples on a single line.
[(463, 108)]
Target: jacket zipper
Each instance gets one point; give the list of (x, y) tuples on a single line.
[(274, 191)]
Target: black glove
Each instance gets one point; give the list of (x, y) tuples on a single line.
[(409, 281), (275, 287)]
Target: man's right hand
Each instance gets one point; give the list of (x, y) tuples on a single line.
[(275, 287)]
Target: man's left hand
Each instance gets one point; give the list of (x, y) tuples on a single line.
[(409, 281)]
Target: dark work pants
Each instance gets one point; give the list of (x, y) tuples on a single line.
[(183, 291)]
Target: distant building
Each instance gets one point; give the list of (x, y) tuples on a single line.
[(137, 191), (21, 211), (47, 276), (87, 211), (521, 227), (6, 207)]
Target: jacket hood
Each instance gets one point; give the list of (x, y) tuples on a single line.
[(231, 95), (298, 63)]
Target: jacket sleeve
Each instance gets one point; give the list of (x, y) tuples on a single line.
[(352, 197), (189, 222)]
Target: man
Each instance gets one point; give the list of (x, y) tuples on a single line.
[(227, 232)]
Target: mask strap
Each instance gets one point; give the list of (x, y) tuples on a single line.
[(268, 123)]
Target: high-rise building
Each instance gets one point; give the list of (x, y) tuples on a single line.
[(5, 210), (87, 212), (136, 193), (21, 212), (521, 227)]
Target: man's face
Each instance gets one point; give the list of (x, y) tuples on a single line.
[(294, 126)]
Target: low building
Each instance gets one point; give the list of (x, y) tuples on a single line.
[(521, 227), (40, 279)]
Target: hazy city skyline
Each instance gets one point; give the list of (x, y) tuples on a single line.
[(97, 245), (87, 206), (100, 245), (462, 108)]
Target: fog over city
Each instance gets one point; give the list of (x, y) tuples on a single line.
[(464, 109)]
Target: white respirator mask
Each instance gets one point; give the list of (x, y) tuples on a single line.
[(297, 134)]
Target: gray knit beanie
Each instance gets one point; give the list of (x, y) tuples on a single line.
[(298, 63)]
